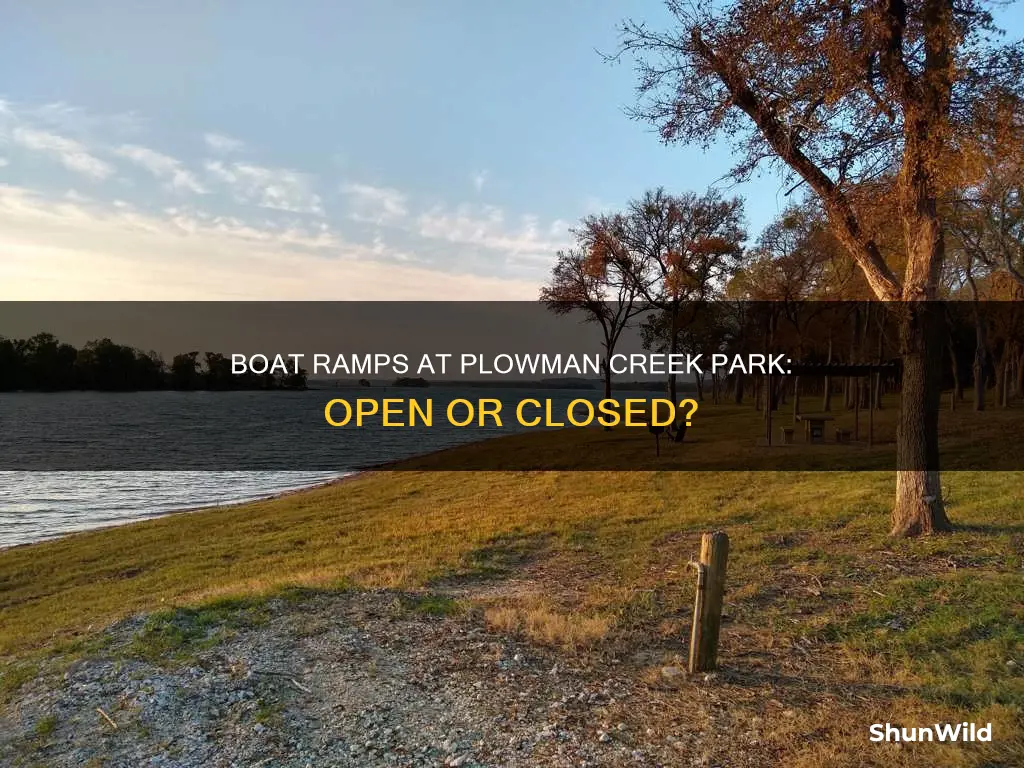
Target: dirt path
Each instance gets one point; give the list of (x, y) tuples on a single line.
[(351, 679)]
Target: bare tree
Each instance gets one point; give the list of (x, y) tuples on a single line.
[(587, 280), (840, 94), (673, 250)]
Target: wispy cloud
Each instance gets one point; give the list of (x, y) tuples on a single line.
[(375, 205), (4, 162), (595, 205), (223, 144), (402, 247), (163, 167), (281, 189), (64, 249), (65, 118), (68, 152), (485, 226), (559, 228)]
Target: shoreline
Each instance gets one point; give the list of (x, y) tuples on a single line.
[(270, 496)]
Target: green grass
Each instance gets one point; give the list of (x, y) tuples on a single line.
[(433, 605), (928, 625), (45, 726), (177, 634), (954, 633), (268, 712), (13, 675)]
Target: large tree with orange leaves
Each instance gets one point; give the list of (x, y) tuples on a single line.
[(840, 94)]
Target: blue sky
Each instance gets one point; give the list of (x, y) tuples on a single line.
[(363, 149)]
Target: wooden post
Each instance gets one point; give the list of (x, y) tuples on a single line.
[(707, 608)]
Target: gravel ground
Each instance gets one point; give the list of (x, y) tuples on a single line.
[(352, 679)]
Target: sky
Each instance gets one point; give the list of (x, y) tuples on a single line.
[(368, 149)]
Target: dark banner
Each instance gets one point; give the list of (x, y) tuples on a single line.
[(323, 386)]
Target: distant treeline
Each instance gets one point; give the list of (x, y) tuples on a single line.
[(45, 364)]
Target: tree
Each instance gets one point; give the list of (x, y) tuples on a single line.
[(588, 279), (985, 218), (185, 371), (987, 209), (788, 272), (49, 363), (672, 250), (106, 366), (218, 371), (842, 94)]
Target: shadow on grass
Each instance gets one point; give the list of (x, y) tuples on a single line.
[(504, 554), (805, 689), (990, 529)]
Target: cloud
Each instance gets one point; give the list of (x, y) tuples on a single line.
[(479, 179), (375, 205), (597, 206), (4, 162), (67, 250), (559, 228), (63, 118), (163, 167), (223, 144), (280, 189), (68, 152), (485, 227)]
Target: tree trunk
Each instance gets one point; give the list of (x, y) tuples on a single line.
[(1003, 378), (738, 394), (957, 393), (607, 369), (673, 345), (876, 384), (850, 391), (678, 431), (919, 508), (826, 401), (980, 352), (1020, 371)]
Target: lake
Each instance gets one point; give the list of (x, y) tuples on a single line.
[(40, 505), (278, 438)]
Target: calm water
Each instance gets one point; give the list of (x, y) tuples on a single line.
[(41, 505), (36, 505)]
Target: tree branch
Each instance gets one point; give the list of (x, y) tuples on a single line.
[(881, 279)]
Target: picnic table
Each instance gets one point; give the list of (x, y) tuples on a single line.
[(814, 425)]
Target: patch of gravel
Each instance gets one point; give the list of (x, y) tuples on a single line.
[(350, 679)]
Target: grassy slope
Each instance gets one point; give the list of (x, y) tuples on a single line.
[(811, 569)]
